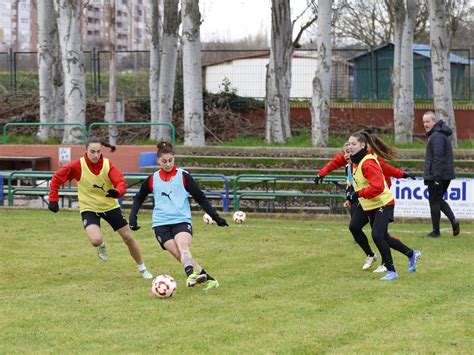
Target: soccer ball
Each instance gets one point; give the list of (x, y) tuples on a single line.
[(163, 286), (239, 217), (207, 219)]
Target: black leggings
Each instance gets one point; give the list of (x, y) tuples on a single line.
[(359, 220), (379, 220), (438, 204)]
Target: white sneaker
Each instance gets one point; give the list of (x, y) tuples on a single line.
[(381, 268), (369, 261), (147, 275), (102, 252)]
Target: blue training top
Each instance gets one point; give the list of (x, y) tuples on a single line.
[(171, 200)]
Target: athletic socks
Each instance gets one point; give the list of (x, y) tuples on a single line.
[(203, 272), (141, 267), (188, 270)]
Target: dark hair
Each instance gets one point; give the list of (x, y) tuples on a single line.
[(377, 145), (164, 147), (95, 139)]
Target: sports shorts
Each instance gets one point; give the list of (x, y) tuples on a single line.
[(113, 217), (169, 231)]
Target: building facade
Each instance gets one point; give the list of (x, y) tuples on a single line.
[(19, 27)]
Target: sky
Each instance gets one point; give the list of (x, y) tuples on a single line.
[(235, 19)]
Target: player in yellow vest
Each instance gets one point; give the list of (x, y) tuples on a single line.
[(99, 184), (375, 198)]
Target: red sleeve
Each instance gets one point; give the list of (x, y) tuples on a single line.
[(62, 175), (337, 161), (388, 170), (116, 176), (150, 183), (373, 173)]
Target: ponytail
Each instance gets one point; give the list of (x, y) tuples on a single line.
[(377, 145)]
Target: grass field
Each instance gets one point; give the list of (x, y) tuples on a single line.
[(287, 286)]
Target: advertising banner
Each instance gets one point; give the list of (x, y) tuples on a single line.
[(411, 198)]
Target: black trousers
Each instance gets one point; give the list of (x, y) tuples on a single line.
[(359, 220), (379, 220), (438, 204)]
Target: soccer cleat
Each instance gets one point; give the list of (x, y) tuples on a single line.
[(380, 268), (147, 275), (433, 234), (102, 252), (194, 279), (413, 260), (211, 284), (369, 261), (456, 228), (389, 276)]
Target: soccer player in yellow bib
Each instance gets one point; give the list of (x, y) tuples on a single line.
[(376, 200), (99, 184)]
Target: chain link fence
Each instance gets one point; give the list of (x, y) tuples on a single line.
[(357, 74)]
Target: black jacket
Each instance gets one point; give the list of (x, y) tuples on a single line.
[(439, 162)]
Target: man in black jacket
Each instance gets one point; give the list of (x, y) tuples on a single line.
[(439, 171)]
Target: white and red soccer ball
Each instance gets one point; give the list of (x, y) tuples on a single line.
[(239, 217), (207, 219), (163, 286)]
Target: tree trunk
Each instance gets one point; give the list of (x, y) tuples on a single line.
[(169, 57), (440, 66), (396, 10), (192, 74), (403, 120), (47, 33), (322, 79), (278, 79), (111, 113), (154, 67), (73, 65)]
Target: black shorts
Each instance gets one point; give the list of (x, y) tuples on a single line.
[(113, 217), (168, 232)]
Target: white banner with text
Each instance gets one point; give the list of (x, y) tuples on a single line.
[(411, 198)]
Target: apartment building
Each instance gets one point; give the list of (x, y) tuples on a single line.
[(19, 27)]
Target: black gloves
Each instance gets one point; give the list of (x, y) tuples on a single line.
[(318, 179), (352, 196), (408, 176), (132, 221), (53, 207), (112, 193), (221, 222)]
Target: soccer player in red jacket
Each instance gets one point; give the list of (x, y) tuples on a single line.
[(99, 184), (358, 218), (377, 202)]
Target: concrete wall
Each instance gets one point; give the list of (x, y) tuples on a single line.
[(126, 157)]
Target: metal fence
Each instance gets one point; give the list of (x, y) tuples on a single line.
[(357, 74)]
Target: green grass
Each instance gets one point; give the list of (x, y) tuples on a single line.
[(287, 286)]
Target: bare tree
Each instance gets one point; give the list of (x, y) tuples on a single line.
[(440, 65), (322, 79), (69, 12), (111, 108), (278, 76), (402, 71), (364, 21), (48, 55), (192, 74), (154, 66), (169, 56)]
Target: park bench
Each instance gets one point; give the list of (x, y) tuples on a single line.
[(270, 192)]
